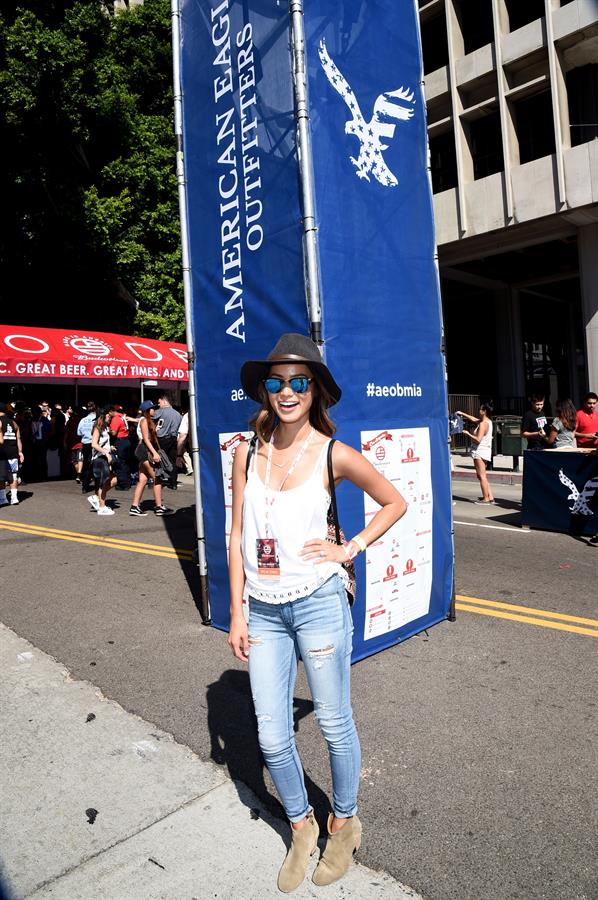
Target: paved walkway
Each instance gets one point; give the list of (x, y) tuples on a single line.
[(98, 804), (502, 471)]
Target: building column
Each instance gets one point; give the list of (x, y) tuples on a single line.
[(511, 376), (587, 247)]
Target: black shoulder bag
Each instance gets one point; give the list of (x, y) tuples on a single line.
[(250, 452), (335, 532)]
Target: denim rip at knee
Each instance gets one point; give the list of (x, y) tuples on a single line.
[(319, 629)]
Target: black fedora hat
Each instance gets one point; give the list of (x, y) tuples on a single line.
[(290, 348)]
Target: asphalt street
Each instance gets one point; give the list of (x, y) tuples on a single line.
[(479, 738)]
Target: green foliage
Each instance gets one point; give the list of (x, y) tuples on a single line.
[(91, 209)]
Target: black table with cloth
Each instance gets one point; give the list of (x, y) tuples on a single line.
[(560, 491)]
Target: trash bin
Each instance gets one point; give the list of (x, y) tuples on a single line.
[(509, 440)]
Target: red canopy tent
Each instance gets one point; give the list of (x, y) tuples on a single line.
[(87, 357)]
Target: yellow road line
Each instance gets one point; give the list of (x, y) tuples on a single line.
[(546, 614), (530, 620), (98, 537), (99, 541)]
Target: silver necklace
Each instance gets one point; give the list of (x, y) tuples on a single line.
[(281, 465), (270, 495)]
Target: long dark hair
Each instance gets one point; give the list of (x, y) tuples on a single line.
[(567, 413), (488, 407), (147, 415), (100, 422), (265, 420)]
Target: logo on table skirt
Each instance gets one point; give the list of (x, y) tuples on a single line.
[(371, 135), (87, 345), (580, 498)]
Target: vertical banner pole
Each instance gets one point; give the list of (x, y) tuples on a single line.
[(304, 151), (180, 172), (452, 612)]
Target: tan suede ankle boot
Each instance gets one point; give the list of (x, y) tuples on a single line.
[(304, 845), (339, 851)]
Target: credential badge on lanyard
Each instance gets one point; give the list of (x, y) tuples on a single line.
[(268, 562)]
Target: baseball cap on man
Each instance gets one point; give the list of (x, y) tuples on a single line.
[(147, 404)]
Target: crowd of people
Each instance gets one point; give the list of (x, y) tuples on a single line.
[(569, 428), (101, 448)]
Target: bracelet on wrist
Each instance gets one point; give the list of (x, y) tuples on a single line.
[(360, 543), (351, 550)]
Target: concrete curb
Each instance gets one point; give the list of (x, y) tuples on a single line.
[(493, 477), (100, 803)]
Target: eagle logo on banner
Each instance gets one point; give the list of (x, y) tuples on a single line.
[(580, 498), (380, 127)]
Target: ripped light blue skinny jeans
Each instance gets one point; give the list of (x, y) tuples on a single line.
[(319, 629)]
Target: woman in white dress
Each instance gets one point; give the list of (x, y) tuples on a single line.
[(482, 450)]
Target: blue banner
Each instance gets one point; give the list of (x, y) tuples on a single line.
[(244, 224), (381, 300), (560, 491), (379, 285)]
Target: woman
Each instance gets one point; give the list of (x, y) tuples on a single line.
[(482, 452), (101, 463), (561, 434), (291, 576), (72, 442), (147, 452), (12, 452)]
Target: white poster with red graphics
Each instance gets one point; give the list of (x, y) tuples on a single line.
[(229, 441), (399, 565)]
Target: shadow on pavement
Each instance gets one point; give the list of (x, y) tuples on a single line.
[(24, 496), (233, 738), (181, 531), (513, 518)]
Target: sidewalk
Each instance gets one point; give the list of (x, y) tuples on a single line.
[(101, 805), (500, 473)]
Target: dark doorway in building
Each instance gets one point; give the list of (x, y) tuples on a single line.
[(535, 128), (582, 93), (434, 43), (485, 141), (521, 12), (470, 338), (476, 23), (552, 340), (443, 161), (513, 325)]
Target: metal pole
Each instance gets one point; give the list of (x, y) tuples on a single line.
[(142, 386), (180, 171), (452, 615), (304, 151)]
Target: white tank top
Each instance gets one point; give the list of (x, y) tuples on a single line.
[(297, 515), (103, 441), (484, 448)]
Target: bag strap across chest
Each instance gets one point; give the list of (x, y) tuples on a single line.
[(332, 490)]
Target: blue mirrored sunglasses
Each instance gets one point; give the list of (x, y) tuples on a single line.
[(299, 384)]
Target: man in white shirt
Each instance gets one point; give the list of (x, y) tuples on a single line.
[(182, 445)]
